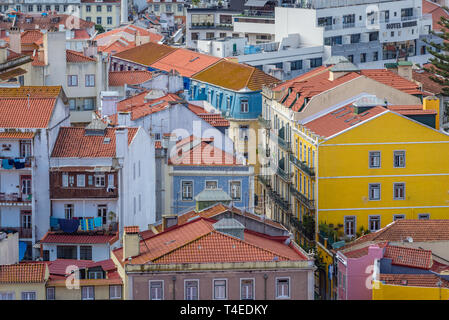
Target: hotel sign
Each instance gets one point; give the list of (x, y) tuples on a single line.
[(400, 25)]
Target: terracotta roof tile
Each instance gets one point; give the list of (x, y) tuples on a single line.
[(33, 272), (184, 61), (428, 85), (72, 142), (131, 229), (392, 79), (26, 113), (78, 238), (59, 266), (340, 119), (75, 57), (16, 135), (235, 76), (410, 257), (145, 54), (418, 230), (31, 36), (32, 91), (358, 253), (204, 154), (214, 119), (436, 11), (4, 76), (120, 78), (198, 242), (81, 34), (414, 280)]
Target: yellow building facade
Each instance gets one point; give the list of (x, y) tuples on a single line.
[(105, 13), (343, 187), (396, 292)]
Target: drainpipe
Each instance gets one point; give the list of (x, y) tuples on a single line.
[(174, 280), (265, 277)]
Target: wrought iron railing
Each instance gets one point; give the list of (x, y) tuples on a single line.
[(303, 198), (302, 165)]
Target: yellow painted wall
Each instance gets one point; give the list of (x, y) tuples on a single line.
[(63, 293), (395, 292), (18, 288), (343, 184)]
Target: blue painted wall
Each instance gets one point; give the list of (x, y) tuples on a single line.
[(219, 98), (199, 184)]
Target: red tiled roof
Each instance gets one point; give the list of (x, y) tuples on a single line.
[(340, 119), (131, 229), (59, 266), (72, 142), (418, 230), (32, 91), (198, 242), (81, 34), (30, 36), (140, 107), (106, 265), (184, 61), (214, 119), (26, 113), (74, 57), (414, 280), (16, 135), (120, 78), (204, 154), (117, 46), (32, 272), (358, 253), (428, 85), (79, 238), (235, 76), (436, 11), (309, 85), (392, 79), (409, 257), (145, 54)]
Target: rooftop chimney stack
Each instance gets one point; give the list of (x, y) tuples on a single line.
[(131, 242), (15, 40)]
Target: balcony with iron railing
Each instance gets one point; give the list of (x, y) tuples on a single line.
[(310, 204), (286, 176), (264, 179), (257, 14), (264, 122), (279, 200), (302, 165), (15, 199)]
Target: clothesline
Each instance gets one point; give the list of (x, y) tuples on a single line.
[(74, 224)]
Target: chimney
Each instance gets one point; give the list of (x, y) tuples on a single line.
[(124, 118), (121, 142), (131, 242), (433, 103), (333, 75), (169, 220), (405, 69), (15, 40)]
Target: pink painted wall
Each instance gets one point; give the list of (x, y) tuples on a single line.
[(358, 273)]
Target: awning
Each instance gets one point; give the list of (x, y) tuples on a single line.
[(256, 3)]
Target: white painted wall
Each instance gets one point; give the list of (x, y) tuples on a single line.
[(9, 249), (100, 252)]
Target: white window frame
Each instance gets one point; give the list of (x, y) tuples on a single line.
[(254, 288), (276, 288), (66, 210), (197, 288), (216, 184), (369, 160), (355, 226), (101, 178), (394, 191), (80, 180), (162, 289), (89, 80), (70, 82), (396, 152), (369, 191), (369, 222), (27, 293), (230, 190), (396, 217), (244, 105), (88, 296), (423, 214), (6, 294), (226, 288), (65, 180), (115, 297), (96, 275), (182, 190)]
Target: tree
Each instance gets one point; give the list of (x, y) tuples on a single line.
[(99, 28), (440, 51)]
